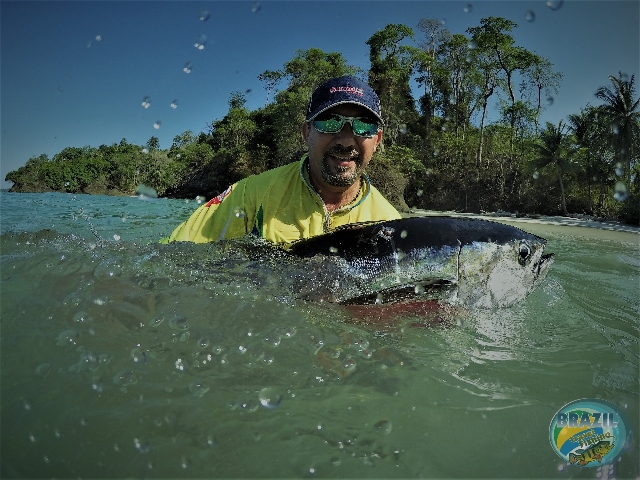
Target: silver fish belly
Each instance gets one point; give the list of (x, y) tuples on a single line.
[(470, 262)]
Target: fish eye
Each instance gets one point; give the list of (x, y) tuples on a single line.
[(524, 252)]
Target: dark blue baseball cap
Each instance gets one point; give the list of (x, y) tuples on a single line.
[(341, 90)]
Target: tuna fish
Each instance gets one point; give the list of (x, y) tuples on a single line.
[(466, 262)]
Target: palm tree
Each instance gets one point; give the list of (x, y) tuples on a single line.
[(553, 154), (622, 112), (590, 152)]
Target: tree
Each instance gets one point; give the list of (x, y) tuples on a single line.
[(435, 35), (391, 67), (622, 112), (593, 155), (553, 155), (543, 79), (153, 144), (493, 40), (181, 140), (271, 78)]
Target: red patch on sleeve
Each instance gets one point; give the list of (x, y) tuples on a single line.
[(217, 200)]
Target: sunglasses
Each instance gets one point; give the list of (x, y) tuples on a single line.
[(333, 123)]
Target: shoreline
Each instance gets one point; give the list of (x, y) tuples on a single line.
[(587, 222)]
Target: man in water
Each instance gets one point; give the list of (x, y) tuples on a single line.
[(327, 188)]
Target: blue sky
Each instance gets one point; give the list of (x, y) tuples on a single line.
[(76, 73)]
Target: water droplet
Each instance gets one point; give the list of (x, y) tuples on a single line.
[(360, 343), (383, 426), (157, 124), (270, 397), (467, 8), (217, 350), (239, 212), (174, 104), (255, 7), (403, 234), (104, 358), (141, 444), (106, 269), (187, 67), (403, 128), (366, 353), (179, 323), (199, 388), (419, 289), (68, 337), (530, 16), (138, 355), (185, 462), (97, 386), (116, 237), (554, 4), (155, 321), (287, 332), (146, 102), (536, 175), (125, 377), (619, 169), (180, 365), (201, 41), (204, 15), (248, 406), (89, 361), (550, 100), (272, 339), (379, 299), (81, 317), (620, 192), (349, 364)]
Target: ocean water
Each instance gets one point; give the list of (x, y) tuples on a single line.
[(121, 357)]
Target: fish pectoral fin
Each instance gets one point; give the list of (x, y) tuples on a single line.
[(400, 292)]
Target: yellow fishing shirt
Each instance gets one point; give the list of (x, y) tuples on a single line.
[(279, 205)]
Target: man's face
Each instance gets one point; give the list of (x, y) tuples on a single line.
[(338, 159)]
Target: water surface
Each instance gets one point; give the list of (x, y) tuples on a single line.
[(123, 357)]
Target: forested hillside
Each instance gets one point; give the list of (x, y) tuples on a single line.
[(447, 148)]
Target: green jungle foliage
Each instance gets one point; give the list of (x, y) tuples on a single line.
[(449, 149)]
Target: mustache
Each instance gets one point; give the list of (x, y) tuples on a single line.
[(339, 151)]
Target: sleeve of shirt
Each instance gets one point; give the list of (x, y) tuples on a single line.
[(381, 209), (225, 216)]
